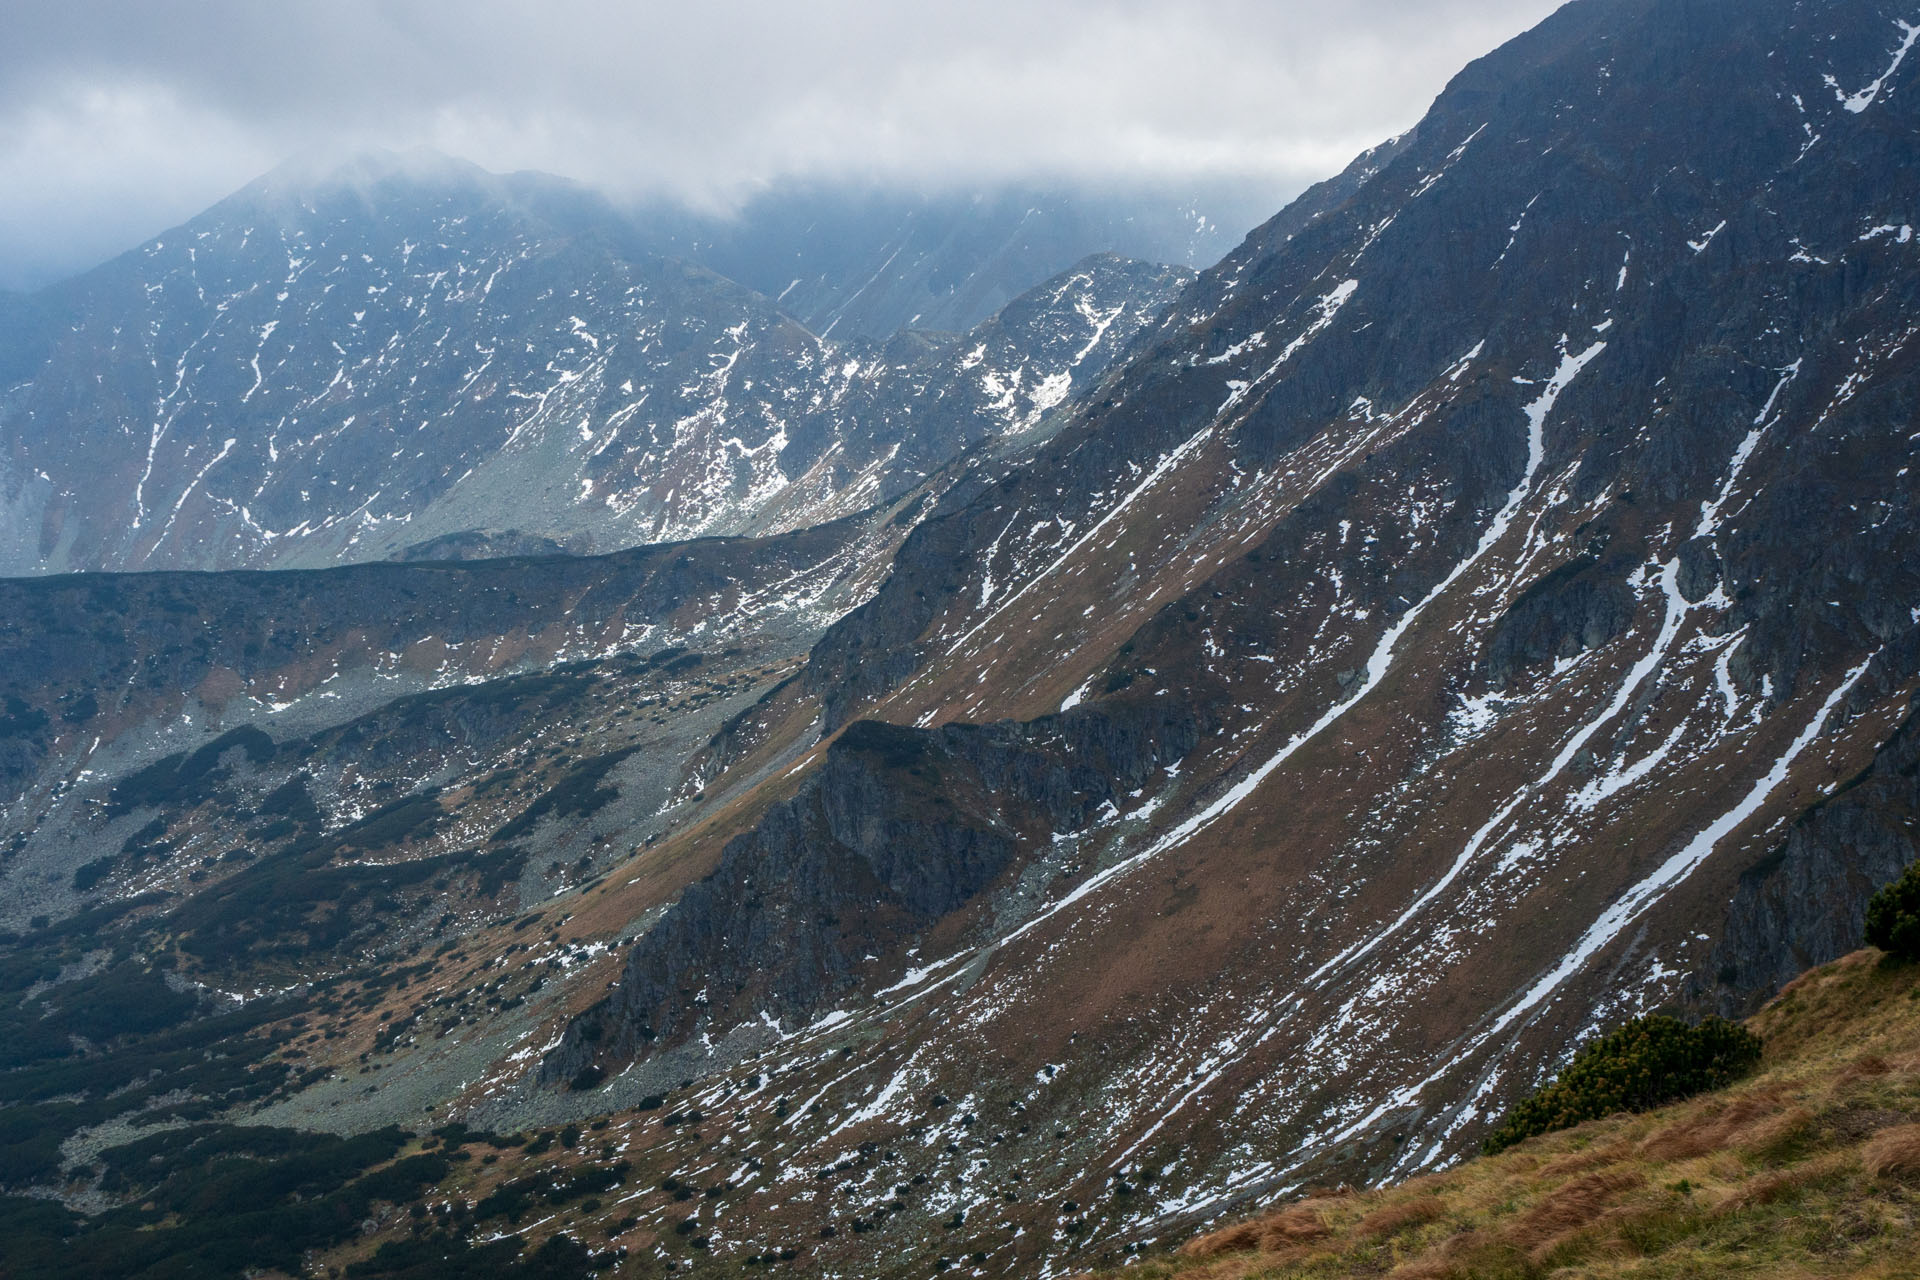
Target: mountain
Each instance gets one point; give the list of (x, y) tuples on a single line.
[(105, 672), (1479, 609), (866, 264), (1518, 534), (343, 366)]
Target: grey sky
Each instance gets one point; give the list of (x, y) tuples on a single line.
[(118, 119)]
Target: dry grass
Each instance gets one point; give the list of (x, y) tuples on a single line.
[(1401, 1215), (1894, 1153), (1736, 1122), (1811, 1168), (1284, 1231), (1572, 1205)]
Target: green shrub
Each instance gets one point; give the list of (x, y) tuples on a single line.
[(92, 873), (412, 817), (1647, 1063), (1893, 917), (187, 778), (579, 793)]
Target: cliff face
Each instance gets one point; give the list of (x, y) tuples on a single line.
[(1806, 901), (896, 832)]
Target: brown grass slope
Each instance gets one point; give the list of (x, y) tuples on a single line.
[(1808, 1168)]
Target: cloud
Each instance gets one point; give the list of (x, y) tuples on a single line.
[(118, 119)]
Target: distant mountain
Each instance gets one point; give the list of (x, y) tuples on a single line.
[(409, 349), (854, 264)]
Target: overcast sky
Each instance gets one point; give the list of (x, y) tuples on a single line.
[(119, 118)]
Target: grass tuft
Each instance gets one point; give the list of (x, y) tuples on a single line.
[(1894, 1154)]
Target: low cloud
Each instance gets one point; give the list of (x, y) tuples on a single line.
[(119, 119)]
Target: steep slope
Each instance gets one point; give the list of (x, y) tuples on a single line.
[(406, 350), (1525, 520), (1807, 898), (892, 837), (1806, 1168)]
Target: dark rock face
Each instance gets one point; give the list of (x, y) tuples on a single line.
[(898, 830), (1579, 606), (1805, 903)]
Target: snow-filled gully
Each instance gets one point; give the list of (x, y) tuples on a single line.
[(1607, 928), (1168, 462), (1231, 1049), (1378, 666), (1259, 505), (1612, 922), (1323, 312), (1382, 659)]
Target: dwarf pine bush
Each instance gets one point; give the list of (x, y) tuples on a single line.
[(1647, 1063), (1893, 917)]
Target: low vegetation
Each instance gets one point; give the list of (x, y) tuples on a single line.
[(236, 1201), (1893, 917), (1647, 1063)]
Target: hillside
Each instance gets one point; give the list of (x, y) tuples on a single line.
[(1810, 1167), (381, 682)]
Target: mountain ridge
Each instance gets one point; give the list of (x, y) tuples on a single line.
[(605, 395), (954, 583)]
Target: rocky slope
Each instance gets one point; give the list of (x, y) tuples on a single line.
[(1806, 900), (132, 699), (894, 834), (345, 366)]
